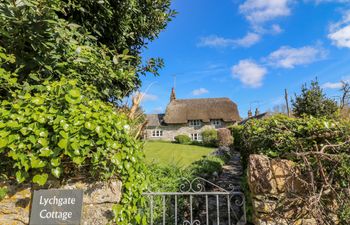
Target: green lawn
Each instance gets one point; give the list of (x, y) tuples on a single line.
[(176, 154)]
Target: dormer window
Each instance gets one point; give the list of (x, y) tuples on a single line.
[(195, 123), (216, 123)]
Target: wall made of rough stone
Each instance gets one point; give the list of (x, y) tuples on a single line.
[(272, 184), (98, 199)]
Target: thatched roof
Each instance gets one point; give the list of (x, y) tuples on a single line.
[(154, 120), (182, 110)]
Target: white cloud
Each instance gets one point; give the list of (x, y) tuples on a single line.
[(341, 37), (330, 85), (288, 57), (248, 40), (148, 97), (328, 1), (339, 32), (249, 73), (216, 41), (200, 91), (276, 29), (261, 11)]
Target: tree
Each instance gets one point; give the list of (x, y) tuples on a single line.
[(312, 101), (345, 89), (94, 42)]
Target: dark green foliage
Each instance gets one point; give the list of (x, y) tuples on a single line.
[(312, 101), (94, 42), (236, 131), (210, 137), (122, 24), (182, 139)]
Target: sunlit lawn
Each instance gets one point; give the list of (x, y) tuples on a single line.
[(176, 154)]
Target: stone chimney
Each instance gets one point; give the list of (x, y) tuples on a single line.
[(250, 114), (172, 95), (257, 112)]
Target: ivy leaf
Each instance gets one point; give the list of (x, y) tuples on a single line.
[(3, 142), (63, 143), (138, 218), (55, 162), (75, 93), (89, 126), (75, 146), (34, 77), (38, 101), (56, 172), (78, 160), (43, 142), (21, 176), (40, 178), (45, 152), (71, 100), (36, 162)]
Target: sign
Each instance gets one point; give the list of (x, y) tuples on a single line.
[(56, 206)]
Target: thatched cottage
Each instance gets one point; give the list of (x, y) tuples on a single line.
[(191, 117)]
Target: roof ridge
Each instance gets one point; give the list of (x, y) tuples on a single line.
[(181, 99)]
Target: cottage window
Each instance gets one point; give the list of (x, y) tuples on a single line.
[(216, 123), (195, 123), (196, 137), (157, 133)]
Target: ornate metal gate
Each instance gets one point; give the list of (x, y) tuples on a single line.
[(194, 204)]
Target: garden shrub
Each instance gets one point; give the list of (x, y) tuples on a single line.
[(56, 131), (182, 139), (224, 137), (207, 166), (210, 137), (236, 134), (279, 135), (318, 146)]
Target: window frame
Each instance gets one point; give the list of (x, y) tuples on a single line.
[(196, 137), (216, 122), (157, 133), (194, 123)]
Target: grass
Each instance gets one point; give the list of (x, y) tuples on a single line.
[(167, 153)]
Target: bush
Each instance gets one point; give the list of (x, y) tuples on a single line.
[(182, 139), (210, 137), (207, 166), (56, 131), (318, 146), (224, 137), (236, 132), (279, 135)]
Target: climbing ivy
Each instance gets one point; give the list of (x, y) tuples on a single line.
[(57, 131)]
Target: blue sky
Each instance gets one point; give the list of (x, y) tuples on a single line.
[(250, 51)]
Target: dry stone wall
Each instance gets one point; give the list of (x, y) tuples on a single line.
[(98, 200), (274, 186)]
